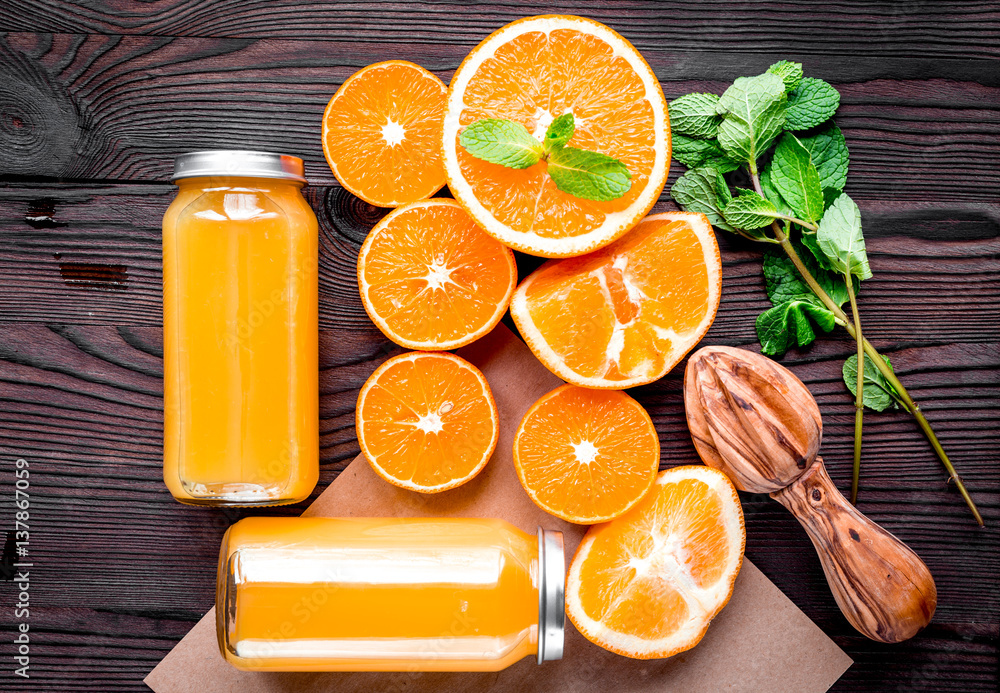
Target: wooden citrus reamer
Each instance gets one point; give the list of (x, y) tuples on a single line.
[(754, 420)]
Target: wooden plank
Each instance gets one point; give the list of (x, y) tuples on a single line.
[(107, 107), (852, 27), (124, 571), (926, 289), (82, 404)]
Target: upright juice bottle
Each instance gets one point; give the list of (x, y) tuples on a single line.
[(388, 594), (240, 355)]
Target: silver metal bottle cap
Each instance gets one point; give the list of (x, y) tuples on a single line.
[(234, 162), (551, 595)]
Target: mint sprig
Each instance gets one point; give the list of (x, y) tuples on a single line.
[(578, 172), (797, 203)]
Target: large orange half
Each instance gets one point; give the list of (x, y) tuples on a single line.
[(626, 314), (532, 71), (382, 133), (648, 584)]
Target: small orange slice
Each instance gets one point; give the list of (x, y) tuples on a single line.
[(532, 71), (427, 422), (648, 584), (586, 456), (626, 314), (431, 279), (382, 133)]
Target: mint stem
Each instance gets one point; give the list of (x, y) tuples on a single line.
[(804, 224), (876, 358), (859, 398)]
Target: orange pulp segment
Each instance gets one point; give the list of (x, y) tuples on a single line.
[(648, 584), (626, 314)]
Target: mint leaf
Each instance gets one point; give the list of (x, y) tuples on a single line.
[(721, 163), (560, 132), (754, 113), (791, 324), (695, 153), (722, 190), (813, 102), (698, 191), (691, 151), (795, 177), (749, 211), (790, 73), (772, 194), (783, 282), (878, 393), (503, 142), (829, 195), (828, 150), (695, 115), (840, 239), (590, 175), (808, 239), (578, 172)]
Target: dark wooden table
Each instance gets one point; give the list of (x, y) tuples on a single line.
[(97, 97)]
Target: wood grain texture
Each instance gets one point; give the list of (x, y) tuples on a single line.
[(750, 418), (82, 404), (941, 29), (924, 291), (93, 108), (856, 553)]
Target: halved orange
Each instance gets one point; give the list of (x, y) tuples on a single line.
[(431, 279), (648, 584), (532, 71), (427, 422), (382, 133), (626, 314), (586, 456)]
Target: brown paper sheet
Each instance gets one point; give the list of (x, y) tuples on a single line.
[(760, 642)]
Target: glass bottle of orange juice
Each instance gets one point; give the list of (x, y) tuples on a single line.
[(388, 594), (240, 357)]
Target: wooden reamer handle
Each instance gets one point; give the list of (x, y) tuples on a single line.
[(880, 584)]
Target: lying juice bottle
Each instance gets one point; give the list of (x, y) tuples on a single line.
[(388, 594), (240, 357)]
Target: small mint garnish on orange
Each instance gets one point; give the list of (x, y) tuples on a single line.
[(578, 172)]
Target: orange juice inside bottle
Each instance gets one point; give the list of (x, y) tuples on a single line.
[(240, 334), (387, 594)]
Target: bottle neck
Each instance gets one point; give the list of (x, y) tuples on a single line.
[(551, 595)]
